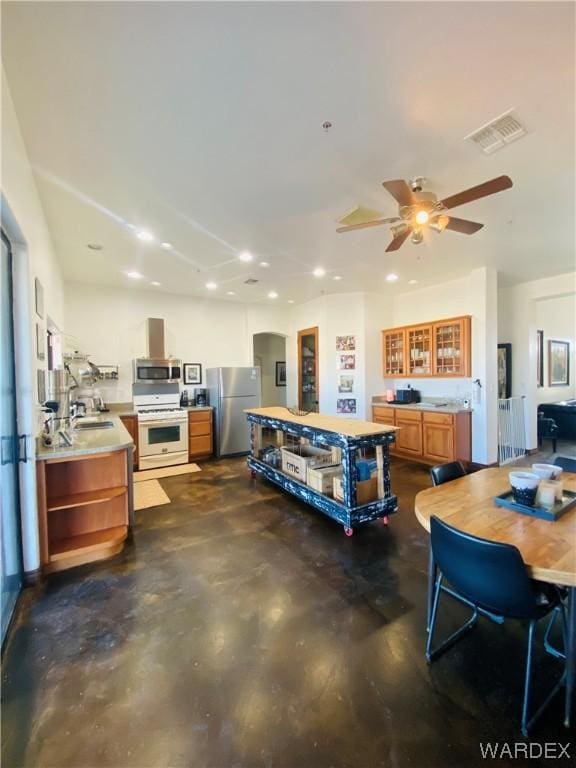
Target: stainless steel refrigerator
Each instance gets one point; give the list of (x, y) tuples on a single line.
[(231, 390)]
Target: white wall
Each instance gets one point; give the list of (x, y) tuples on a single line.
[(34, 256), (517, 326), (109, 324), (557, 318), (270, 348), (335, 315)]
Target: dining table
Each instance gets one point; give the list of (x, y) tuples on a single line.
[(548, 548)]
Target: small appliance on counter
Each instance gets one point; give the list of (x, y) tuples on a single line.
[(200, 397), (407, 396), (184, 402)]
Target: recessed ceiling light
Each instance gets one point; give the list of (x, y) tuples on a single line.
[(391, 278), (412, 282), (155, 282), (145, 236), (319, 272), (230, 293), (245, 256), (211, 286), (337, 277), (95, 247), (290, 301), (272, 295), (264, 264), (166, 246), (133, 274)]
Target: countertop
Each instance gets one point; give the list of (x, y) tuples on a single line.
[(89, 441), (426, 406), (337, 424)]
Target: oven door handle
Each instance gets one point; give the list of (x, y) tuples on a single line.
[(162, 423)]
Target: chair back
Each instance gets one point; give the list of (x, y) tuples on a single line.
[(443, 473), (567, 464), (490, 574)]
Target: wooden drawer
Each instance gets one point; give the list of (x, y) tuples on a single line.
[(196, 416), (383, 414), (439, 418), (197, 428), (200, 446), (407, 415)]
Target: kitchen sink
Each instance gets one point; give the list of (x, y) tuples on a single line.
[(93, 425)]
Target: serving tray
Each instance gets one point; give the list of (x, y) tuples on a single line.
[(545, 513)]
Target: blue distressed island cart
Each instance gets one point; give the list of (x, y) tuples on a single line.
[(348, 437)]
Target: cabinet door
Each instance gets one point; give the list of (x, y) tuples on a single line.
[(394, 352), (439, 442), (451, 347), (409, 436), (419, 350)]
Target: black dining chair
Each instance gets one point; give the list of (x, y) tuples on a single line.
[(443, 473), (492, 577), (567, 464)]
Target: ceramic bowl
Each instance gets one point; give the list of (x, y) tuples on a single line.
[(524, 487), (547, 471)]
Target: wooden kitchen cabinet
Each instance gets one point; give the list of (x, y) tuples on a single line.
[(427, 436), (131, 424), (437, 349), (84, 508), (394, 352), (200, 435)]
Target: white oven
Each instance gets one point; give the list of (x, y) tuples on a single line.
[(163, 439)]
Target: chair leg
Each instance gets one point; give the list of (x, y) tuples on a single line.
[(432, 654), (528, 678), (553, 651), (553, 445)]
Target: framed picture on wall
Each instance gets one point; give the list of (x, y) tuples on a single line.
[(346, 405), (558, 363), (539, 358), (40, 342), (504, 371), (39, 297), (192, 373), (281, 373)]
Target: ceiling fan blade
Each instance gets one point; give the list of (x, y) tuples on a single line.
[(463, 225), (359, 215), (367, 224), (498, 184), (398, 240), (400, 191)]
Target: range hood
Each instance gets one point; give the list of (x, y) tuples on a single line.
[(155, 338)]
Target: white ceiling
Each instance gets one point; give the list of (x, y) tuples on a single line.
[(202, 123)]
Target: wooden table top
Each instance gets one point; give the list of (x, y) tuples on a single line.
[(547, 548), (338, 424)]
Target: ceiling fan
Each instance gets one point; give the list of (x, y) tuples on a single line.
[(418, 209)]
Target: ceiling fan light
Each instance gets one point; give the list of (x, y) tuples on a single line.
[(398, 229), (422, 217), (440, 223), (417, 236)]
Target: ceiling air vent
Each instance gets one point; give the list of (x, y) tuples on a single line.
[(250, 281), (496, 134)]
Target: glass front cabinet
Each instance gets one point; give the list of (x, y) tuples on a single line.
[(308, 389), (437, 349)]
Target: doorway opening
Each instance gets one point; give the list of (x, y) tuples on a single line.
[(270, 355)]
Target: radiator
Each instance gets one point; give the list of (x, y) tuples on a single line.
[(511, 430)]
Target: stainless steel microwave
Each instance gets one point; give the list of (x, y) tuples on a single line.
[(153, 371)]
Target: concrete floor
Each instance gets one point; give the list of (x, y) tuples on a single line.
[(243, 629)]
